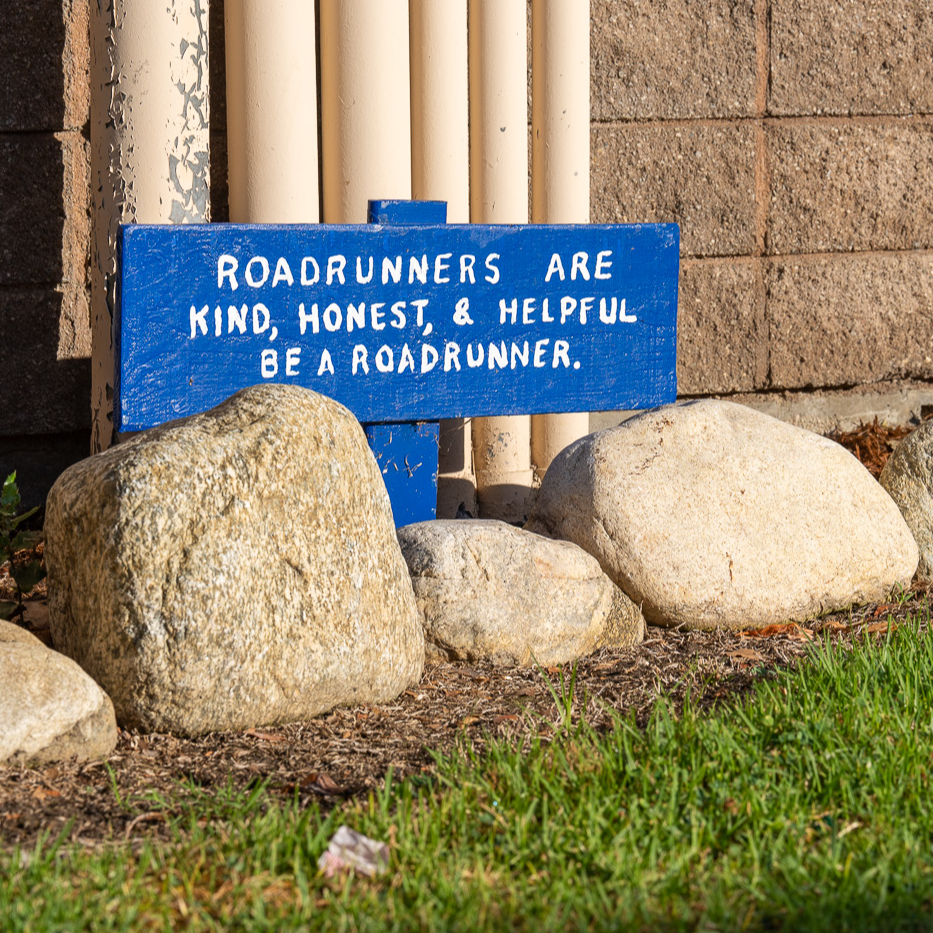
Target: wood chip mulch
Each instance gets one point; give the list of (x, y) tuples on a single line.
[(349, 752), (872, 443)]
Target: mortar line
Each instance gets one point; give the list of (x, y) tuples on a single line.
[(769, 120), (746, 259), (762, 175)]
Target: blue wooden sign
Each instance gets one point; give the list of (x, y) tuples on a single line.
[(399, 322)]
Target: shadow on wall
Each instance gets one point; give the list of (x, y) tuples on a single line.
[(44, 241)]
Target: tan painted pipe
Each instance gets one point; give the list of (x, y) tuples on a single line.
[(440, 133), (560, 160), (149, 148), (365, 105), (272, 140), (440, 171), (499, 194)]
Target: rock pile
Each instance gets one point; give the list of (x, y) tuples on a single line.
[(241, 567), (235, 568), (488, 590), (908, 478), (709, 514), (49, 708)]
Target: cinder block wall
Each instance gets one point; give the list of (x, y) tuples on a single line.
[(45, 342), (792, 140)]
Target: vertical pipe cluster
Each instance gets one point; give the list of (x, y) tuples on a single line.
[(149, 148), (272, 146), (365, 105), (440, 171), (560, 160), (419, 98), (499, 195)]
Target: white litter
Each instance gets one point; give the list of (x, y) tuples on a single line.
[(350, 850)]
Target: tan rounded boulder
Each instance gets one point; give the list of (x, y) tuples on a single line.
[(490, 591), (233, 569), (50, 710), (908, 479), (710, 514)]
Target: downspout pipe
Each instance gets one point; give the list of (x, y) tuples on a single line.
[(498, 43), (440, 171), (272, 134), (560, 161)]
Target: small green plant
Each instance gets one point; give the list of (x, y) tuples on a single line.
[(24, 573), (562, 693)]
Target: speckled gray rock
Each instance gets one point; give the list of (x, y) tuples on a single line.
[(908, 479), (233, 569), (489, 590), (710, 514), (50, 709)]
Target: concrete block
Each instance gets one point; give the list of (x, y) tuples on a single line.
[(45, 393), (722, 341), (675, 59), (32, 212), (39, 459), (827, 410), (850, 320), (700, 176), (851, 57), (32, 36), (44, 220), (852, 186)]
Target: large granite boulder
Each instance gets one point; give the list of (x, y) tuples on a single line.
[(235, 568), (488, 590), (710, 514), (908, 479), (50, 709)]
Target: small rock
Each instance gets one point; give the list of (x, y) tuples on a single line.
[(489, 590), (50, 709), (709, 514), (908, 479), (234, 569)]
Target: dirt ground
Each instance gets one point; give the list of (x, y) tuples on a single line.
[(349, 751)]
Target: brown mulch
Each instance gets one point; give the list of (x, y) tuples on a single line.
[(349, 752), (872, 443)]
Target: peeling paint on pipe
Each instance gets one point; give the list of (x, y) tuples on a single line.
[(560, 160), (150, 158)]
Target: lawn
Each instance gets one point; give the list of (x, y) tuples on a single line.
[(803, 807)]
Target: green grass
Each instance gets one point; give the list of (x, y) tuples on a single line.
[(805, 808)]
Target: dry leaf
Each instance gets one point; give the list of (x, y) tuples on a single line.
[(884, 607), (41, 793), (748, 654), (155, 817), (322, 784), (267, 736), (879, 627), (791, 629), (469, 720)]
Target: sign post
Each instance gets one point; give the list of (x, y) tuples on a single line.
[(404, 320)]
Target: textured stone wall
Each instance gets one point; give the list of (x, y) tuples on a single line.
[(45, 342), (792, 140)]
